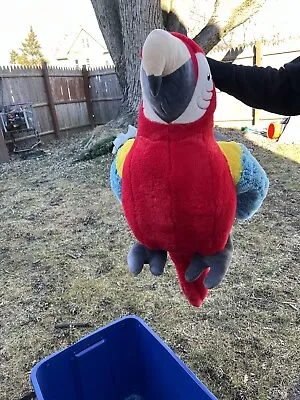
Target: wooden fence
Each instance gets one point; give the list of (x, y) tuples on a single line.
[(63, 99), (66, 99)]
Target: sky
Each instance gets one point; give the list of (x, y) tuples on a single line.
[(50, 19), (53, 19)]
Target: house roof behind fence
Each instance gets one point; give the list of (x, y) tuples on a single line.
[(64, 47)]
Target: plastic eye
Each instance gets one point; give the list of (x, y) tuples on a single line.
[(208, 77)]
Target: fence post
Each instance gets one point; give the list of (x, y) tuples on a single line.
[(257, 60), (4, 156), (87, 92), (50, 98)]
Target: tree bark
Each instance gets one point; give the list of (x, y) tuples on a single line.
[(138, 19), (125, 24), (108, 17)]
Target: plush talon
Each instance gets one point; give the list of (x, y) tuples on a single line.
[(217, 263), (136, 258), (139, 255), (157, 262), (196, 267)]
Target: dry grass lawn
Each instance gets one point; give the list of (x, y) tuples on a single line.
[(63, 247)]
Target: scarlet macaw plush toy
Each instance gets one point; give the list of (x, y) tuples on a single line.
[(180, 189)]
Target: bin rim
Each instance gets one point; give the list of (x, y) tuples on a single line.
[(33, 374)]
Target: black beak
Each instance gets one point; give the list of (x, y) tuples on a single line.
[(170, 95), (154, 84)]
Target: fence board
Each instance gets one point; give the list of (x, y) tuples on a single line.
[(4, 157), (23, 89), (17, 71), (63, 72), (43, 119), (51, 105), (105, 110), (106, 94), (72, 115), (101, 71), (67, 88)]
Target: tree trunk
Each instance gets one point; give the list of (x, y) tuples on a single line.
[(125, 24)]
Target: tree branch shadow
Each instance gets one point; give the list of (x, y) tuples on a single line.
[(232, 54), (294, 393), (279, 225)]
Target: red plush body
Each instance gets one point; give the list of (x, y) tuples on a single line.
[(178, 194)]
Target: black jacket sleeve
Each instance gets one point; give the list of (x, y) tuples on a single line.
[(270, 89)]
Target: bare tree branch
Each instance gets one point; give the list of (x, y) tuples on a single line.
[(223, 21), (243, 12), (209, 36)]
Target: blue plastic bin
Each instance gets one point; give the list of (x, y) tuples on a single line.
[(125, 360)]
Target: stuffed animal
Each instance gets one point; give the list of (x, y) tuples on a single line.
[(181, 190)]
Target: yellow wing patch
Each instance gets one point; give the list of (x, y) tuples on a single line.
[(233, 153), (122, 154)]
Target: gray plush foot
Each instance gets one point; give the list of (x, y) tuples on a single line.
[(139, 255), (218, 264)]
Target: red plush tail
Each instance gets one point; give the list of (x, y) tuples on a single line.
[(195, 292)]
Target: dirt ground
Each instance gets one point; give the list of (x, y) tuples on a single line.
[(63, 247)]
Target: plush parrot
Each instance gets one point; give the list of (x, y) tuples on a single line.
[(181, 190)]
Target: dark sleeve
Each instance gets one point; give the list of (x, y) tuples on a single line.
[(270, 89)]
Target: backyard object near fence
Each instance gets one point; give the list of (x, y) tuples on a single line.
[(18, 124), (125, 360), (275, 130)]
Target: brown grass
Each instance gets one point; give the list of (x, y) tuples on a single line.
[(63, 249)]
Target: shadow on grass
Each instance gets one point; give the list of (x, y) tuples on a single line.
[(278, 220)]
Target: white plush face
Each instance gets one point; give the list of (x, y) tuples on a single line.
[(200, 101)]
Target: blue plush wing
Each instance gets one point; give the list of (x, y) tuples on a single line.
[(116, 181), (252, 187), (116, 169), (249, 177)]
